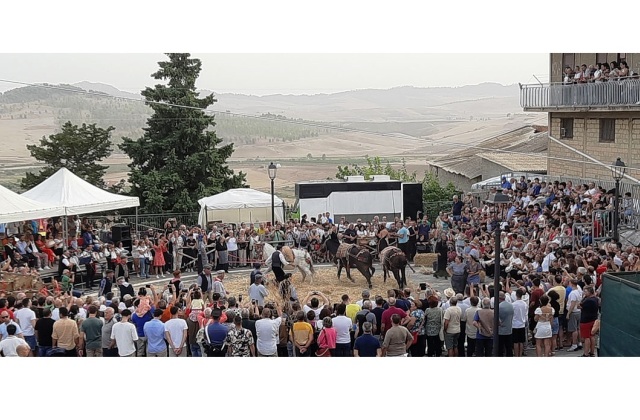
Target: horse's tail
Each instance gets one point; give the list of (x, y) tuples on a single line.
[(310, 261)]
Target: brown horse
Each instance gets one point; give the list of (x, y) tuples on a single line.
[(352, 256), (394, 260)]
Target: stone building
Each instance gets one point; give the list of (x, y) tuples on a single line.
[(522, 150), (600, 120)]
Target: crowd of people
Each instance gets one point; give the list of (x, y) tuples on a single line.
[(548, 298), (598, 73)]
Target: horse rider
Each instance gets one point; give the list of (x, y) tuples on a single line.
[(277, 261)]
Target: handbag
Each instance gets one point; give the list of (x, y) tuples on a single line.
[(322, 352), (415, 338)]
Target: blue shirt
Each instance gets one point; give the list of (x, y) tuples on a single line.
[(217, 333), (403, 231), (3, 329), (140, 321), (154, 331), (367, 345)]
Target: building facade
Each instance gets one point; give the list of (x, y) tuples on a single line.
[(601, 120)]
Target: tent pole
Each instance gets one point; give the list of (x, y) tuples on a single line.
[(65, 233), (136, 222)]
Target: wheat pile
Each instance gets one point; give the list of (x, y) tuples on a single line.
[(425, 260), (325, 280)]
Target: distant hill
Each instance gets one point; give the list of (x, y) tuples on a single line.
[(421, 112)]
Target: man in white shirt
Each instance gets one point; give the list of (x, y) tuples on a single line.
[(26, 318), (175, 331), (549, 258), (519, 325), (257, 291), (452, 318), (573, 315), (267, 333), (124, 336), (9, 345), (311, 303), (5, 321), (342, 324)]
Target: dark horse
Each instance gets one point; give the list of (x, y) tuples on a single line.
[(352, 256), (394, 260)]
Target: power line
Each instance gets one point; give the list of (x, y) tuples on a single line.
[(305, 123)]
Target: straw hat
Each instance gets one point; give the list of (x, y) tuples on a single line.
[(449, 293)]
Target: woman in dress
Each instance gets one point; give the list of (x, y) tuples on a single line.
[(555, 324), (223, 256), (433, 325), (442, 249), (543, 332), (458, 272), (158, 259), (383, 237), (242, 247), (326, 338), (415, 324)]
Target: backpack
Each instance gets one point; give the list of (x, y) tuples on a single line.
[(361, 319)]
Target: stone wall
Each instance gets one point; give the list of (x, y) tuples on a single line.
[(586, 138)]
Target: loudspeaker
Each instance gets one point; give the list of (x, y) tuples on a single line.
[(120, 233), (127, 244), (411, 200)]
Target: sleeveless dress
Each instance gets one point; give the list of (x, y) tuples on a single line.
[(543, 328)]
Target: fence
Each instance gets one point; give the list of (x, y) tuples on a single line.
[(622, 92), (145, 221)]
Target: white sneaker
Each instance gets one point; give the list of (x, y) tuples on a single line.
[(572, 348), (157, 276), (46, 267)]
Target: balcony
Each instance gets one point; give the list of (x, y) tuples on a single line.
[(619, 95)]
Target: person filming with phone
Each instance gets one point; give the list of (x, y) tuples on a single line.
[(257, 291)]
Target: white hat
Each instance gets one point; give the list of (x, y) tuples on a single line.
[(102, 308), (122, 306)]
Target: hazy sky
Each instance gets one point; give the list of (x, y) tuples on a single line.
[(262, 74)]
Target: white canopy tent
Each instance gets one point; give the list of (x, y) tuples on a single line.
[(239, 205), (77, 196), (16, 208)]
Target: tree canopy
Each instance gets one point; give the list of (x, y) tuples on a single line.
[(79, 149), (177, 161)]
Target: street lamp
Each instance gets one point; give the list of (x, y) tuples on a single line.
[(272, 176), (617, 171), (498, 201)]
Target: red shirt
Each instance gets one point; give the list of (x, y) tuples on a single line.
[(386, 316), (600, 271)]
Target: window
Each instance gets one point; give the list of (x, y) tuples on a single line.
[(621, 57), (566, 128), (607, 130)]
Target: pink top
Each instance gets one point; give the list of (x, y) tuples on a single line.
[(327, 338)]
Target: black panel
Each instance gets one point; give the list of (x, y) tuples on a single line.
[(320, 190), (120, 233), (127, 244), (412, 200)]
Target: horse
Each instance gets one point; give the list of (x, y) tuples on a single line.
[(352, 256), (302, 260), (394, 260)]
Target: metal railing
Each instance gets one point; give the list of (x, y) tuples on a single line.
[(145, 221), (622, 92)]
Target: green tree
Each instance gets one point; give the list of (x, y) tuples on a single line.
[(376, 167), (79, 149), (177, 161), (431, 189)]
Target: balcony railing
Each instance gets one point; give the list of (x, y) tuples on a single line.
[(623, 93)]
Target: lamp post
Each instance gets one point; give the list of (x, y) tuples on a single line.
[(497, 200), (272, 176), (617, 171)]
